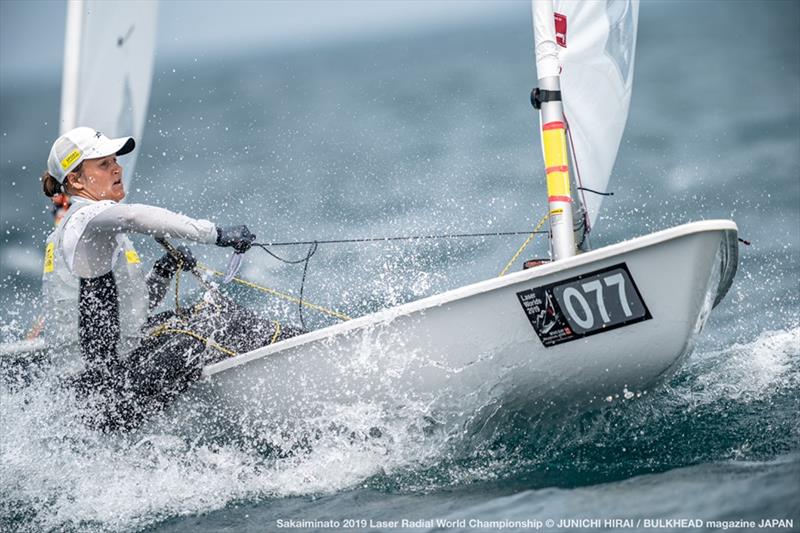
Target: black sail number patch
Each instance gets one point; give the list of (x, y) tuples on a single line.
[(584, 305)]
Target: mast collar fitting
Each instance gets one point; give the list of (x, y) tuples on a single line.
[(539, 96)]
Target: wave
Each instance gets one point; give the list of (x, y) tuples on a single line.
[(736, 403)]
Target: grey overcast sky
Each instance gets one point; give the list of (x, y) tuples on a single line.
[(32, 31)]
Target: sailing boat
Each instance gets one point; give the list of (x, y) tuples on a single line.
[(108, 64), (588, 326), (585, 327)]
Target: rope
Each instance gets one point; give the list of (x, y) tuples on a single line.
[(406, 238), (524, 245), (277, 332), (279, 294), (163, 329), (311, 251), (587, 189)]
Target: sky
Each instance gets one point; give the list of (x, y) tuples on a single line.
[(32, 31)]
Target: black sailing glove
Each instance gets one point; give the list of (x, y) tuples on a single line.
[(168, 264), (237, 236)]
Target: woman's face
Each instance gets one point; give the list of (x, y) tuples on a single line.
[(100, 179)]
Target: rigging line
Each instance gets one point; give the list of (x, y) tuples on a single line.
[(283, 260), (587, 189), (311, 251), (580, 186), (278, 294), (524, 244), (404, 238)]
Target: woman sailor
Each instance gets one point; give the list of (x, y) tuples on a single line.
[(93, 275)]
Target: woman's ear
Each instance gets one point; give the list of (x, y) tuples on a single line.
[(74, 181)]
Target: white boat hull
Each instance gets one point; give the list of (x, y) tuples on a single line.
[(473, 348)]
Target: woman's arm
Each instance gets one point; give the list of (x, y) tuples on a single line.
[(155, 221)]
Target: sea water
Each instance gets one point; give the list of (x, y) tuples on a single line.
[(431, 132)]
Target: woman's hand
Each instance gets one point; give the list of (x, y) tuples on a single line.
[(180, 257), (239, 237)]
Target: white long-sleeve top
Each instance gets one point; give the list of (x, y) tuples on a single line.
[(91, 251)]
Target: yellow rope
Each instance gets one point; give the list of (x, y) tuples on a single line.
[(279, 294), (163, 329), (524, 245), (277, 332)]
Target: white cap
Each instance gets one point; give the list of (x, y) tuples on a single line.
[(79, 144)]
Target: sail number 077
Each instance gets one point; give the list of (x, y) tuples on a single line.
[(575, 296), (592, 303)]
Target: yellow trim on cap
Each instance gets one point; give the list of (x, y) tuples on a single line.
[(71, 158)]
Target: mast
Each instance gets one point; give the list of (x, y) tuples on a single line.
[(547, 99), (585, 52), (70, 79)]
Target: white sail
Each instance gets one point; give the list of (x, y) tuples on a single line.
[(108, 66), (591, 45)]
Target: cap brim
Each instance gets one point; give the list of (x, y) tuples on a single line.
[(127, 147), (107, 147)]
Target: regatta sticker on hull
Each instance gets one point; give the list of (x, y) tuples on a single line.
[(584, 305)]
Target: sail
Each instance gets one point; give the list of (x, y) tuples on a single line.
[(108, 66), (591, 47)]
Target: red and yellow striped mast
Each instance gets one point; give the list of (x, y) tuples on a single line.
[(547, 99)]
